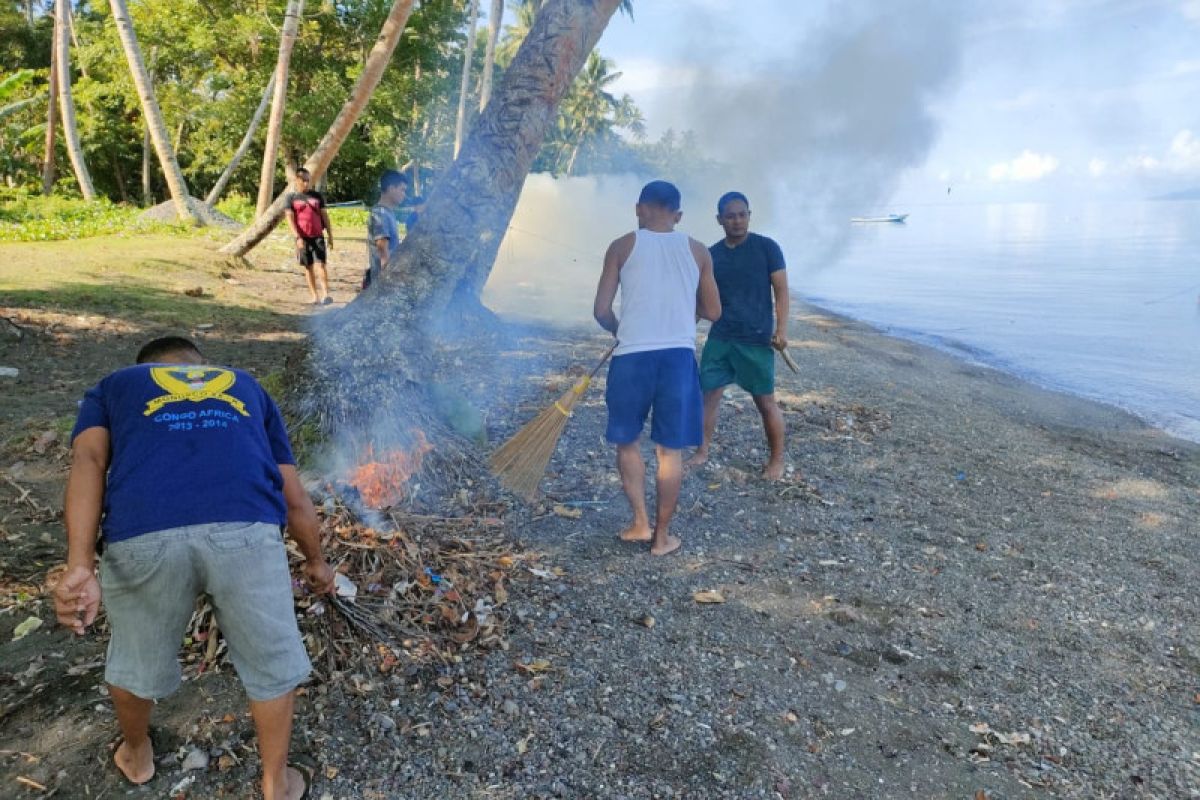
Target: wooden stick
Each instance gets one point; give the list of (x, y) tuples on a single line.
[(787, 359)]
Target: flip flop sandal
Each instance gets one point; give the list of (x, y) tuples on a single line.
[(307, 767), (114, 744)]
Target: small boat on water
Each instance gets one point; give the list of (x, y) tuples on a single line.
[(888, 218)]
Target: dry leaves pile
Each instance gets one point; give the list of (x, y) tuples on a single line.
[(416, 590)]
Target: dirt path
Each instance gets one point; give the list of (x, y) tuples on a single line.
[(969, 585)]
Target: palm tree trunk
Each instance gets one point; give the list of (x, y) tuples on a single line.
[(184, 205), (147, 165), (495, 14), (460, 124), (219, 187), (508, 136), (147, 145), (369, 362), (320, 159), (287, 40), (49, 155), (62, 55)]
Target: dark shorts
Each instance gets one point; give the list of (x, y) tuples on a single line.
[(750, 366), (313, 250), (665, 382)]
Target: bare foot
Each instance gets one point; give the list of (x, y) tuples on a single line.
[(137, 765), (636, 533), (773, 471), (698, 459), (666, 548)]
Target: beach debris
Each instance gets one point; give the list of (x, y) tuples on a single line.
[(647, 621), (567, 511), (196, 759), (9, 372), (27, 627), (344, 587), (708, 596), (182, 786)]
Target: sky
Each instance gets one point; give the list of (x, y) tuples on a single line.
[(1007, 100), (824, 110)]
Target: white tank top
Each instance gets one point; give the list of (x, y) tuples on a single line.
[(658, 294)]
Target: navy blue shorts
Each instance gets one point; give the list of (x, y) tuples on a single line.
[(665, 381)]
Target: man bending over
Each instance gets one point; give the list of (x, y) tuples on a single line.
[(186, 472)]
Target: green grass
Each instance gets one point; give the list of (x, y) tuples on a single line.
[(33, 218)]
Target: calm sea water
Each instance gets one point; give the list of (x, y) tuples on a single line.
[(1101, 300)]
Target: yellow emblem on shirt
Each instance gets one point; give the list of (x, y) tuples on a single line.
[(193, 384)]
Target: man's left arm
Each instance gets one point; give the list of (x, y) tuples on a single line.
[(328, 225), (305, 530), (779, 285)]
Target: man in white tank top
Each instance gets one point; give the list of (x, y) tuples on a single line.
[(666, 281)]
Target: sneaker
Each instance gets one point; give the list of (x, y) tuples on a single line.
[(327, 300)]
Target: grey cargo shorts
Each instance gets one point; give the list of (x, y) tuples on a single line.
[(150, 584)]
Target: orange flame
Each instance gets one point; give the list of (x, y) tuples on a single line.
[(382, 483)]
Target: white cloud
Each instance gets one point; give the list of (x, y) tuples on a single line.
[(1191, 9), (1029, 166), (1186, 67), (1182, 157), (1097, 166), (1184, 153)]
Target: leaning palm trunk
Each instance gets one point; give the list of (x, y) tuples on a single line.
[(184, 206), (219, 187), (489, 58), (287, 40), (460, 124), (318, 162), (370, 361), (62, 55)]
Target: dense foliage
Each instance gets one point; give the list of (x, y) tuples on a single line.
[(211, 60)]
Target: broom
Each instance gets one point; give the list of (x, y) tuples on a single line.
[(520, 462)]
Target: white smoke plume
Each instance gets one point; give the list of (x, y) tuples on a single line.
[(812, 138)]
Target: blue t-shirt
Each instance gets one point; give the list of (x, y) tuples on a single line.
[(743, 276), (189, 445)]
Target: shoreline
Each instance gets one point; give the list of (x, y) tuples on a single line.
[(984, 359)]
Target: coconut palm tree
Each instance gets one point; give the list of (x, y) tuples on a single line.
[(461, 120), (318, 162), (495, 15), (66, 101), (590, 110), (50, 150), (287, 40), (185, 207)]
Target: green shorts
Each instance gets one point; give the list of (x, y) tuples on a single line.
[(750, 366)]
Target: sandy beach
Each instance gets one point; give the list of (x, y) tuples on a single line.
[(966, 587)]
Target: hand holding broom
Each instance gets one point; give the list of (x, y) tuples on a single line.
[(521, 462)]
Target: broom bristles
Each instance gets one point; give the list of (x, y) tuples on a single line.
[(521, 462)]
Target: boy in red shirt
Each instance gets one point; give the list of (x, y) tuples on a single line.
[(309, 220)]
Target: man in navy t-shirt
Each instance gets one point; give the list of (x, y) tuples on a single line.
[(741, 345), (185, 471)]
